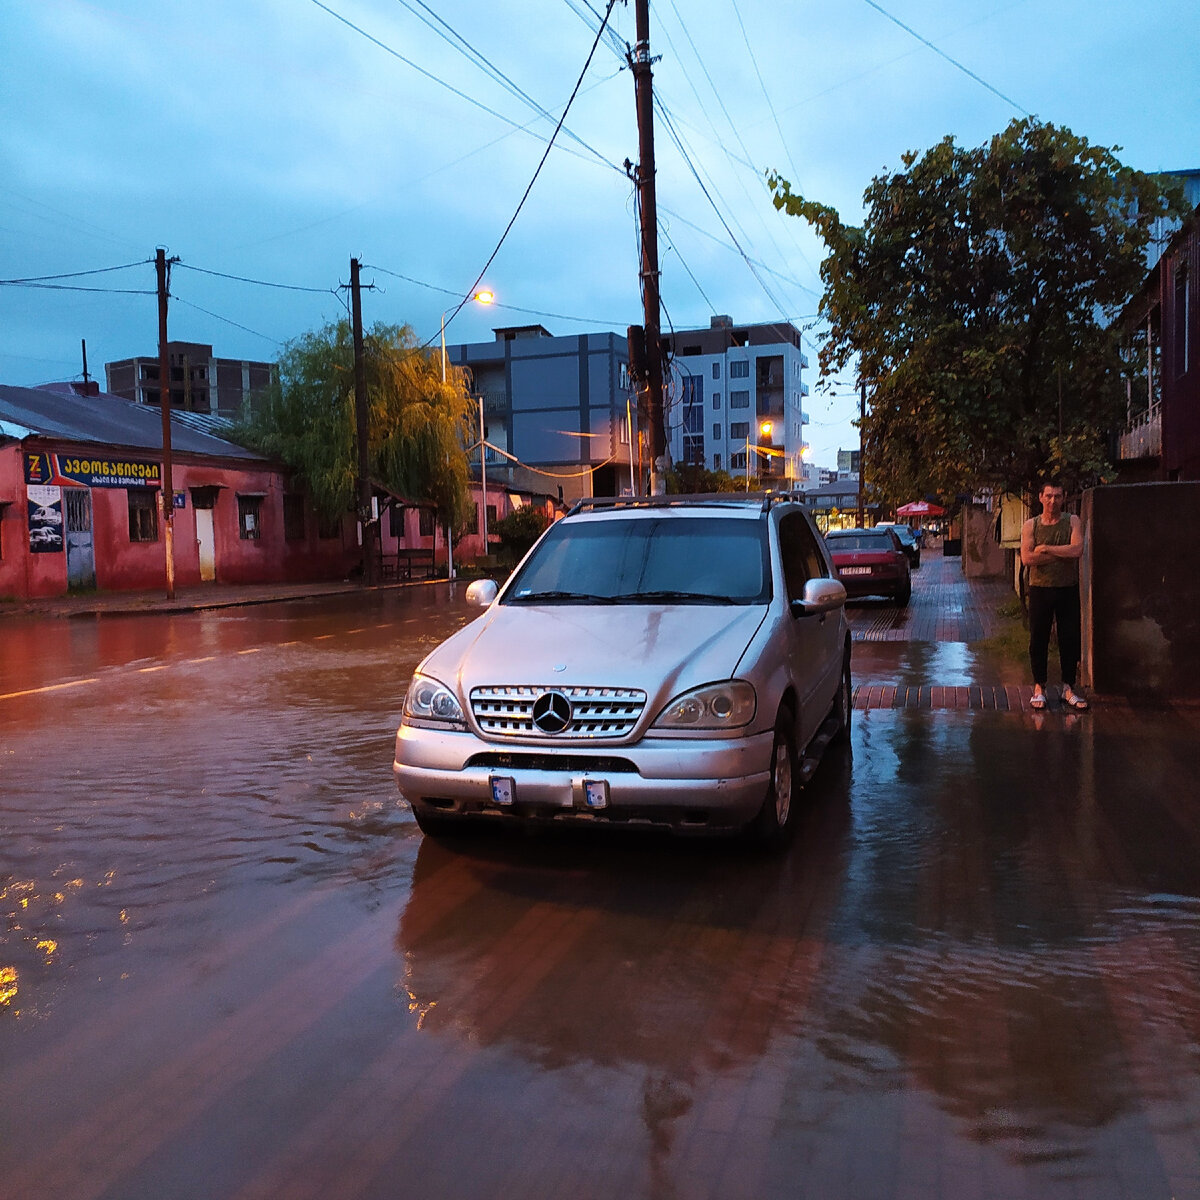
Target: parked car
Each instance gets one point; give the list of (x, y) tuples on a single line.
[(910, 542), (871, 562), (679, 661)]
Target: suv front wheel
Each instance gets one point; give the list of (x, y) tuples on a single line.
[(776, 819)]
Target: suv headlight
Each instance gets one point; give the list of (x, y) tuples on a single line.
[(727, 705), (428, 700)]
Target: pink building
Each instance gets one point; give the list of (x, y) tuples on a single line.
[(80, 486)]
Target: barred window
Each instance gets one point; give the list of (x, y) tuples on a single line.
[(739, 370), (426, 521), (739, 399), (250, 517)]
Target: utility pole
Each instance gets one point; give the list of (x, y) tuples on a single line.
[(167, 491), (862, 449), (86, 378), (360, 420), (640, 63)]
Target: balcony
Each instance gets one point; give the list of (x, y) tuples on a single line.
[(1143, 437)]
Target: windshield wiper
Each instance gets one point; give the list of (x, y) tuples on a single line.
[(558, 598), (668, 597)]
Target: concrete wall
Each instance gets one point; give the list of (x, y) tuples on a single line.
[(1140, 583)]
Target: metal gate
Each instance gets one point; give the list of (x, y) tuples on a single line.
[(81, 557)]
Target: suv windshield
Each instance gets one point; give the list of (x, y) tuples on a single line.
[(671, 560)]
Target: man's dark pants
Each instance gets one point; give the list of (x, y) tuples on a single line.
[(1054, 606)]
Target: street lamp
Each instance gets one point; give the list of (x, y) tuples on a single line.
[(764, 430), (481, 297), (484, 297)]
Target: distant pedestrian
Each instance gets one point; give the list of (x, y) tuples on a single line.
[(1051, 546)]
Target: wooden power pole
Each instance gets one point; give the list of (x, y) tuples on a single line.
[(366, 522), (640, 63), (167, 491)]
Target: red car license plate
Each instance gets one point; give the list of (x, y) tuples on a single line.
[(855, 571)]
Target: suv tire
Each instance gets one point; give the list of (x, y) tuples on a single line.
[(776, 820), (843, 704)]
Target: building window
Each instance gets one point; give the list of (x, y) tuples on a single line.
[(737, 462), (716, 462), (329, 527), (396, 521), (740, 429), (293, 517), (143, 514), (716, 370), (491, 518), (425, 522), (716, 432), (250, 517), (716, 401), (739, 370), (739, 399)]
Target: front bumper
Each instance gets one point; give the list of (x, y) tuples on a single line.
[(716, 783)]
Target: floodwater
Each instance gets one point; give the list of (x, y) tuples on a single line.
[(230, 966)]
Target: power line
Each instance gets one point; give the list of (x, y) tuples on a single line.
[(435, 79), (952, 61), (78, 274), (218, 317), (67, 287), (287, 287), (477, 58), (541, 164)]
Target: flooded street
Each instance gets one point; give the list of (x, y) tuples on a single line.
[(230, 966)]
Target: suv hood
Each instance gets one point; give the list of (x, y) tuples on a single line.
[(663, 649)]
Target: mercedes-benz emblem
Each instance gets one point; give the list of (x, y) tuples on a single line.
[(552, 712)]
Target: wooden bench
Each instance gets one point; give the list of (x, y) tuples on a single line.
[(405, 562)]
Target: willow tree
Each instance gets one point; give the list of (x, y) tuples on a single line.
[(977, 300), (417, 424)]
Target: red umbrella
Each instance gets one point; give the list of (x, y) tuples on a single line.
[(920, 508)]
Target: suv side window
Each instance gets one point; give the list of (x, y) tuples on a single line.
[(801, 556)]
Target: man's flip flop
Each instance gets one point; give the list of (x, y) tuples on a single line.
[(1076, 702), (1038, 702)]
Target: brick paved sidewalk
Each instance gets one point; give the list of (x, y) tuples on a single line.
[(945, 607)]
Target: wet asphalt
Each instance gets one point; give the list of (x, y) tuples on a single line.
[(230, 966)]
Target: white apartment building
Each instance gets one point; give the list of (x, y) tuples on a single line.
[(737, 390)]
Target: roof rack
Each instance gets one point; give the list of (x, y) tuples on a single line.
[(762, 500)]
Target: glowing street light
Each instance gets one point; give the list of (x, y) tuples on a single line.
[(483, 297), (764, 431)]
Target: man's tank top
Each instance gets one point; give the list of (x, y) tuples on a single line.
[(1058, 572)]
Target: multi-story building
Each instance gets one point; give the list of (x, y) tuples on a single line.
[(1161, 437), (557, 412), (199, 382), (736, 391)]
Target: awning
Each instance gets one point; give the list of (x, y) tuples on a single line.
[(920, 508)]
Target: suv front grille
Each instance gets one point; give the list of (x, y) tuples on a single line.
[(596, 712)]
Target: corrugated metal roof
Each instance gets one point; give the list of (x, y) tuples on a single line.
[(105, 420)]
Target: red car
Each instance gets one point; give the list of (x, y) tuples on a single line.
[(871, 562)]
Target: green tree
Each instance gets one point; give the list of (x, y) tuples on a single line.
[(417, 425), (520, 529), (685, 479), (977, 298)]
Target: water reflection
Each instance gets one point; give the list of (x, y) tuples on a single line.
[(989, 925)]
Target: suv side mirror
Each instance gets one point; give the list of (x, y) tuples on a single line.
[(482, 592), (820, 595)]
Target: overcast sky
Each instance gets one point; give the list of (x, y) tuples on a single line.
[(272, 140)]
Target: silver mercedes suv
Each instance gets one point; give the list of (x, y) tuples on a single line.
[(681, 660)]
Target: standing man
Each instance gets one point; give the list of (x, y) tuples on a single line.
[(1051, 546)]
